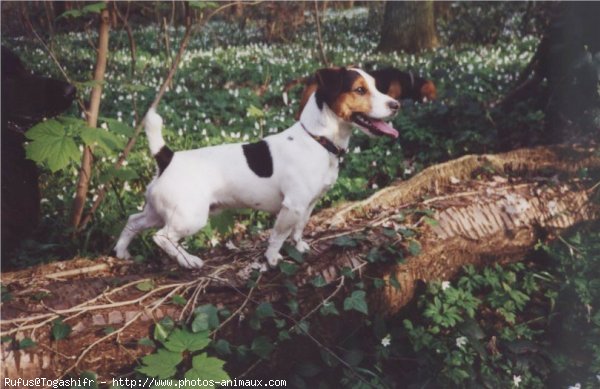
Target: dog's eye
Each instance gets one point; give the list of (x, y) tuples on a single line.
[(360, 90)]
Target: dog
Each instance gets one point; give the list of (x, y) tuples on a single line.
[(26, 100), (285, 173), (391, 81)]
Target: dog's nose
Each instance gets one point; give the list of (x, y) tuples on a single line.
[(393, 105)]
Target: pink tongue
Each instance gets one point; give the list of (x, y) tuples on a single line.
[(385, 128)]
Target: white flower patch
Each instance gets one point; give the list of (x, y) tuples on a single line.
[(386, 341), (445, 285), (516, 380), (461, 341)]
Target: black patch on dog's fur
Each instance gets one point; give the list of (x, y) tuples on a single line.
[(331, 82), (163, 158), (258, 158)]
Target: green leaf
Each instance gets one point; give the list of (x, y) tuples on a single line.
[(146, 342), (293, 253), (432, 222), (51, 145), (117, 127), (26, 343), (60, 329), (262, 346), (414, 248), (345, 241), (162, 364), (288, 268), (206, 318), (99, 137), (183, 340), (329, 308), (5, 339), (264, 310), (222, 347), (108, 330), (145, 286), (318, 281), (163, 328), (293, 306), (206, 369), (178, 299), (357, 301), (255, 112), (202, 5)]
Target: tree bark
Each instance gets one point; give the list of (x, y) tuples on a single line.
[(514, 200), (408, 26), (85, 170)]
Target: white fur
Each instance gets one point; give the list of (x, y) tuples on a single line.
[(198, 182)]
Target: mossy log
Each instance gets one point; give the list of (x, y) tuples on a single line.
[(478, 209)]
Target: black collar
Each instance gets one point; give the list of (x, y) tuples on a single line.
[(326, 143)]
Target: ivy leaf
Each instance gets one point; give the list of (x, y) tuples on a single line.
[(51, 145), (345, 241), (357, 302), (145, 341), (183, 340), (60, 329), (145, 286), (222, 347), (318, 281), (329, 308), (293, 253), (262, 346), (288, 268), (162, 364), (163, 328), (178, 299), (206, 369), (26, 343), (264, 310), (206, 318), (118, 127), (414, 248)]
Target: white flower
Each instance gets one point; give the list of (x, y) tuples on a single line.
[(516, 380), (576, 386), (230, 245), (386, 341), (445, 285), (461, 341)]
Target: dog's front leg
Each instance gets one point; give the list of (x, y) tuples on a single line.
[(301, 245), (289, 216)]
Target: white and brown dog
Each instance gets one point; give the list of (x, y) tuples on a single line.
[(284, 173)]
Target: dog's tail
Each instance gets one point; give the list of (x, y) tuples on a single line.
[(161, 152)]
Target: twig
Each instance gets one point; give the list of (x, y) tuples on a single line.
[(240, 308), (74, 272), (319, 36)]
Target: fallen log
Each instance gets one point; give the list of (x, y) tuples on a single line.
[(474, 210)]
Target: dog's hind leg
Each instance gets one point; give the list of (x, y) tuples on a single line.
[(168, 237), (136, 223)]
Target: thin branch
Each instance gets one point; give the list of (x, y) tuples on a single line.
[(319, 36)]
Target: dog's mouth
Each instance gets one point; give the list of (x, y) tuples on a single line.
[(374, 126)]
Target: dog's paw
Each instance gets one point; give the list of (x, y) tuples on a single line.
[(302, 246), (273, 257), (123, 254), (191, 262)]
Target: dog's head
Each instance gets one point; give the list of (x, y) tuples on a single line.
[(351, 94), (26, 98)]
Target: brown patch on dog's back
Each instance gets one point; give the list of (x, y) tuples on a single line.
[(429, 91), (394, 90)]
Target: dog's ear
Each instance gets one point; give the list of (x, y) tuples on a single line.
[(330, 82)]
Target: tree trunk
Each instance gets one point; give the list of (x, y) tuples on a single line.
[(516, 199), (85, 169), (408, 26)]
